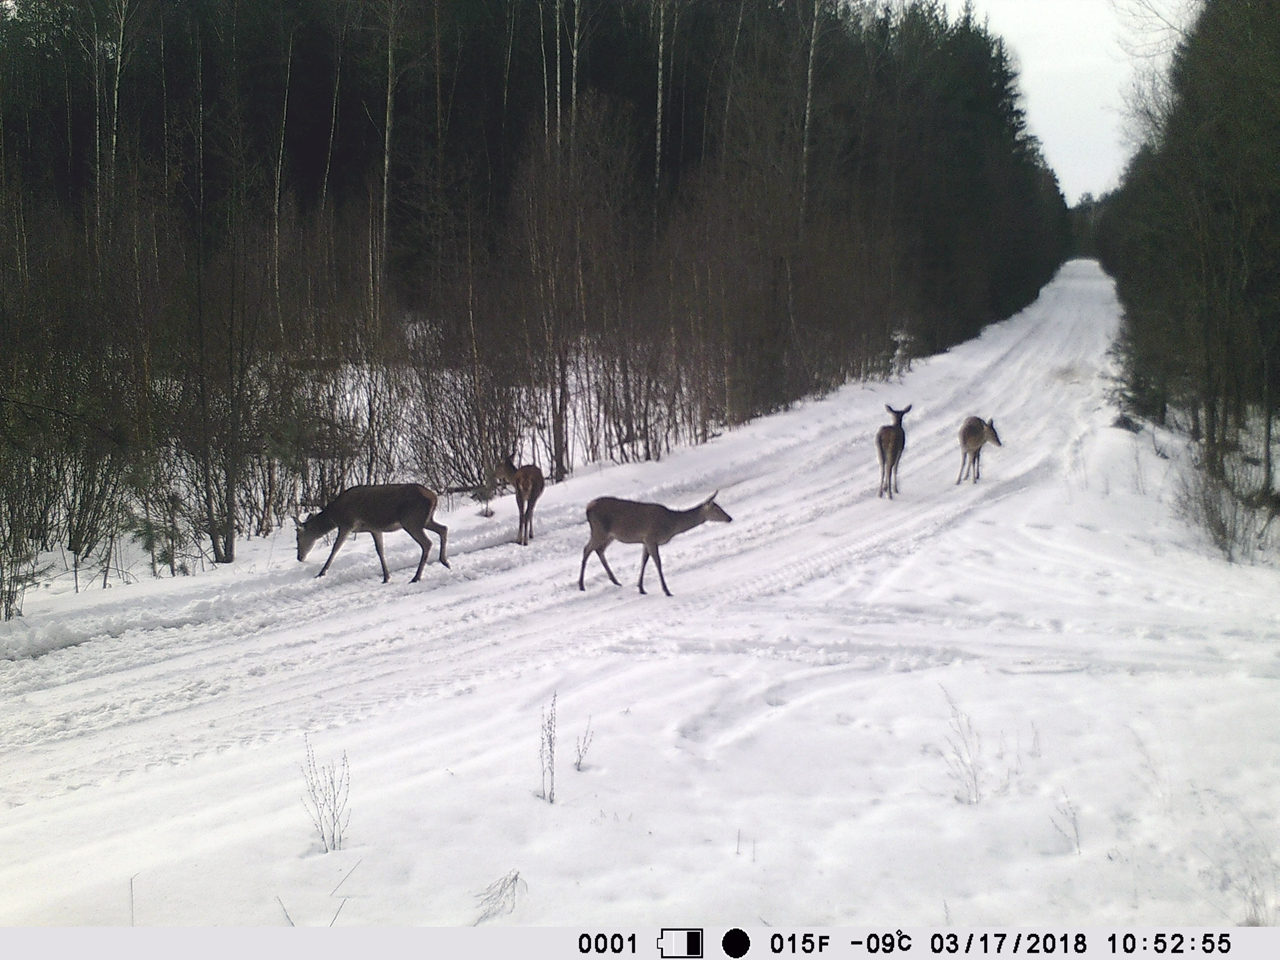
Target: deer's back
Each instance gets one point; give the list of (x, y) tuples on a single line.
[(890, 438), (626, 520), (973, 432), (382, 506), (530, 479)]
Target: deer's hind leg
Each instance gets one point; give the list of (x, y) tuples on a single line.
[(441, 531), (520, 511), (599, 540), (424, 541), (528, 517)]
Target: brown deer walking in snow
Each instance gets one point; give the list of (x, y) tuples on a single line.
[(891, 440), (379, 509), (528, 482), (648, 523), (974, 432)]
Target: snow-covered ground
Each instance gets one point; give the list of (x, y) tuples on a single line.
[(1040, 698)]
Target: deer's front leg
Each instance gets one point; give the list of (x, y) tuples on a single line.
[(342, 538)]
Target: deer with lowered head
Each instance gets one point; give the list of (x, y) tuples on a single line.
[(528, 483), (974, 432), (891, 440), (377, 509), (648, 523)]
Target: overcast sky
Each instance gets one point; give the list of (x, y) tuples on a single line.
[(1074, 73)]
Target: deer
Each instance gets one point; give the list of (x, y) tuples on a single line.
[(974, 432), (528, 483), (377, 509), (891, 440), (648, 523)]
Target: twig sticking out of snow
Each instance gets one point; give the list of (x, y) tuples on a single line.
[(500, 896), (583, 744)]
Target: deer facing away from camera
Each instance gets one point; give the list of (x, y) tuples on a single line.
[(891, 440), (528, 482), (379, 509), (648, 523), (974, 432)]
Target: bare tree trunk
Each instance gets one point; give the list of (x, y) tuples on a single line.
[(575, 53), (164, 107), (121, 11), (808, 122), (202, 339), (1267, 475), (559, 61), (393, 29), (439, 101), (514, 7), (95, 58), (339, 44), (275, 219), (657, 139), (546, 80)]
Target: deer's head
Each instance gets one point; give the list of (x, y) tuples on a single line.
[(992, 436), (713, 511), (307, 536)]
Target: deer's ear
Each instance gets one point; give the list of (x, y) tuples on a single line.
[(710, 498), (908, 409)]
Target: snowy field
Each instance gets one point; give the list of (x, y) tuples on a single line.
[(1039, 699)]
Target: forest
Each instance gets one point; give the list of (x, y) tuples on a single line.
[(252, 253), (1193, 239)]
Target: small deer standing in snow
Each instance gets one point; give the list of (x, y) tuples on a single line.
[(891, 440), (380, 509), (649, 523), (974, 432), (528, 483)]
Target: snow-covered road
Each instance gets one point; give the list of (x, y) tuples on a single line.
[(783, 740)]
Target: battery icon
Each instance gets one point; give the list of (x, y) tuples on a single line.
[(680, 943)]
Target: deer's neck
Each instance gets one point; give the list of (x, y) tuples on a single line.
[(321, 523), (688, 519)]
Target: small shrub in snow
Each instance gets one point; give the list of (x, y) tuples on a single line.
[(547, 753), (1234, 506), (483, 495), (326, 799), (1242, 866), (965, 759), (1067, 822)]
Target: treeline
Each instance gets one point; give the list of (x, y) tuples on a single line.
[(1193, 240), (254, 252)]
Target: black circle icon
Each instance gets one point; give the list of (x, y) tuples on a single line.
[(736, 943)]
